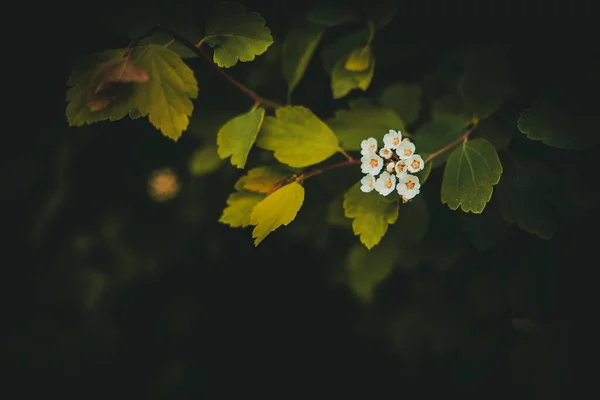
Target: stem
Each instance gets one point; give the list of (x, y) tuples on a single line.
[(264, 102), (463, 138), (343, 152)]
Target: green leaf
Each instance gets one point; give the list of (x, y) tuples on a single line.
[(485, 82), (239, 208), (298, 137), (525, 197), (237, 136), (205, 160), (371, 213), (366, 269), (278, 208), (548, 122), (361, 122), (341, 49), (404, 98), (235, 34), (472, 170), (348, 73), (437, 133), (330, 14), (84, 104), (425, 172), (166, 97), (298, 49), (261, 179)]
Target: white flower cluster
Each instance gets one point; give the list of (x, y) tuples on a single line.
[(397, 159)]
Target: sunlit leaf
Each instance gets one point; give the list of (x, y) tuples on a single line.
[(237, 136), (359, 123), (298, 49), (366, 269), (235, 34), (239, 208), (205, 160), (371, 214), (261, 179), (166, 97), (297, 136), (278, 208), (548, 122), (344, 80), (525, 197), (341, 48), (485, 82), (471, 171), (404, 99), (84, 105)]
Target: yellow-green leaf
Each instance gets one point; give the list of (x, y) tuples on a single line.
[(361, 122), (239, 208), (297, 137), (261, 179), (298, 49), (278, 208), (205, 160), (359, 60), (404, 98), (235, 34), (471, 171), (84, 104), (343, 80), (371, 213), (237, 136), (166, 97)]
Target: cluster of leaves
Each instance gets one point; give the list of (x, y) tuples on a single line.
[(460, 117)]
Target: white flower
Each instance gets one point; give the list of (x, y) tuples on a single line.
[(385, 153), (371, 163), (390, 167), (392, 139), (367, 183), (408, 186), (405, 149), (368, 146), (414, 163), (385, 184), (400, 168)]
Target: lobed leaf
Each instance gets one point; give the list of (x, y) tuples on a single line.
[(371, 213), (235, 35), (166, 97), (278, 208), (297, 137), (471, 171), (238, 135)]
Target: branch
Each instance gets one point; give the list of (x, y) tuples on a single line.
[(463, 138), (257, 99)]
